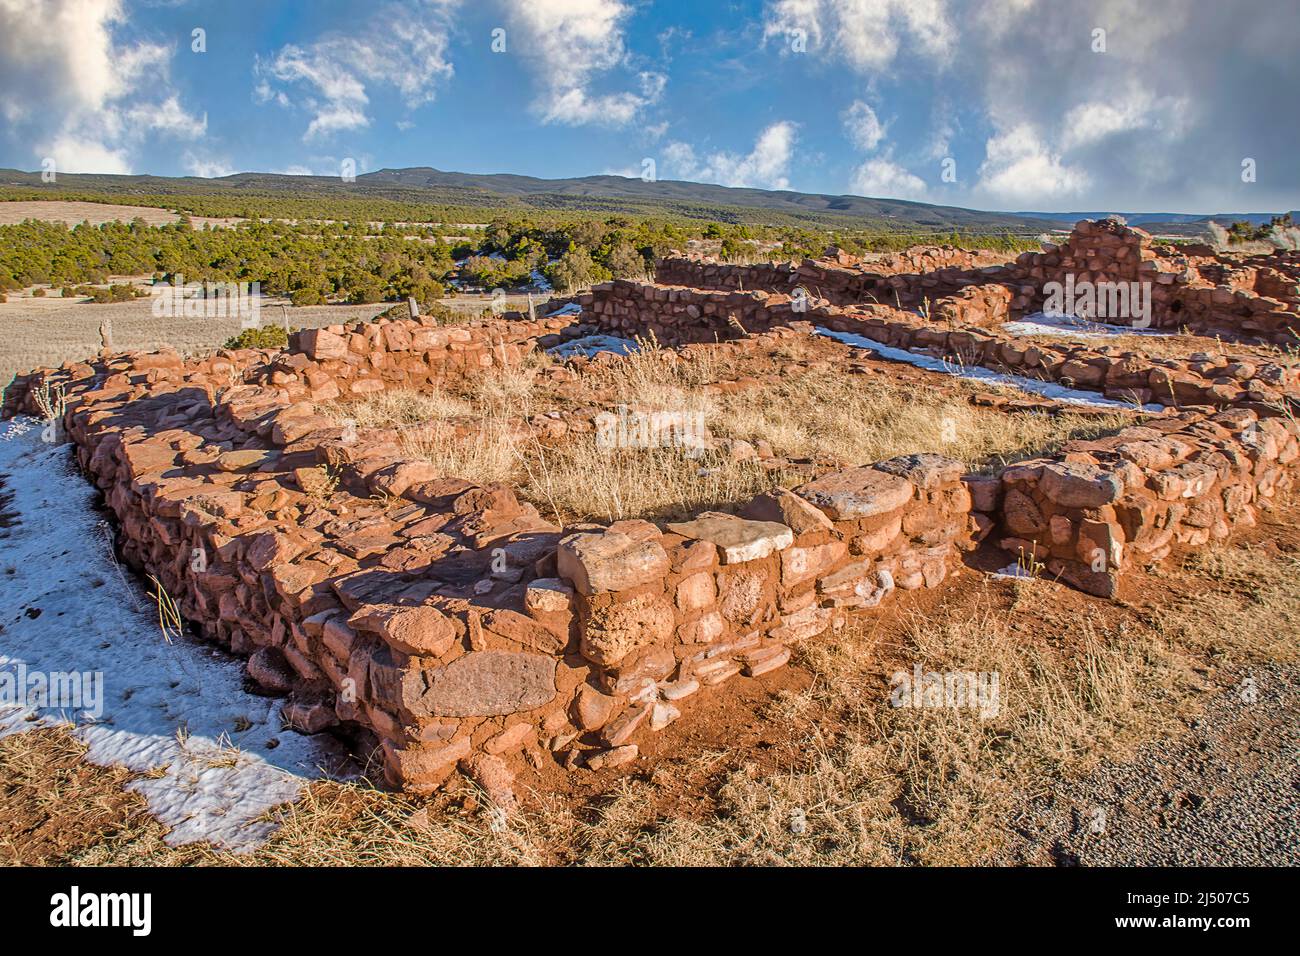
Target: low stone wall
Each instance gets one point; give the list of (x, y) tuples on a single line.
[(963, 327), (907, 277), (349, 361), (448, 624), (1256, 297), (664, 613), (1130, 498)]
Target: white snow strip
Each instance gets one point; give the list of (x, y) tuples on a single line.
[(175, 709), (1014, 571), (592, 344), (1060, 393), (1072, 327), (570, 309)]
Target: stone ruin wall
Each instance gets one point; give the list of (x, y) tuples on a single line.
[(451, 625), (1256, 297), (963, 327)]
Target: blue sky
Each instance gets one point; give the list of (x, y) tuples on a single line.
[(1023, 103)]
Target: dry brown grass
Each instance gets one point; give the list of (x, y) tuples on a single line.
[(929, 786), (859, 419), (824, 414)]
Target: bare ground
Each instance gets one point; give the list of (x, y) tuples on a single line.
[(96, 213)]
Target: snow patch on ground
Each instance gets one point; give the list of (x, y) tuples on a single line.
[(1060, 393), (1014, 571), (1073, 327), (217, 756), (591, 345), (571, 309)]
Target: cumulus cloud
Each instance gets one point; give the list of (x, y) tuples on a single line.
[(1020, 168), (866, 34), (1020, 92), (1158, 120), (767, 165), (77, 92), (883, 178), (864, 129), (568, 43), (401, 47), (207, 167)]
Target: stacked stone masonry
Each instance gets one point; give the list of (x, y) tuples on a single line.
[(449, 625)]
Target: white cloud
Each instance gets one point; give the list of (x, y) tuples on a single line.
[(75, 154), (296, 171), (74, 91), (569, 42), (866, 34), (1019, 168), (401, 47), (883, 178), (207, 168), (767, 165), (864, 129), (169, 117), (1094, 121)]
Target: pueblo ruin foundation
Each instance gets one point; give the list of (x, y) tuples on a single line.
[(449, 623)]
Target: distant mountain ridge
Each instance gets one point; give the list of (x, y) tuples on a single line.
[(610, 195)]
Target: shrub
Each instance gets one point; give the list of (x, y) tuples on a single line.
[(267, 337), (307, 297)]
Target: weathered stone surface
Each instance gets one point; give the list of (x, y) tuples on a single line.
[(804, 564), (424, 766), (705, 629), (321, 344), (309, 716), (592, 709), (522, 629), (269, 668), (810, 621), (857, 493), (742, 595), (610, 562), (495, 778), (613, 757), (548, 596), (489, 683), (1080, 485), (246, 460), (401, 475), (695, 591), (784, 507), (612, 632), (267, 548), (738, 539), (423, 630), (1021, 515), (512, 738), (926, 471)]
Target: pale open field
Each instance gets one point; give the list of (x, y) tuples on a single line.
[(95, 213), (50, 330)]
